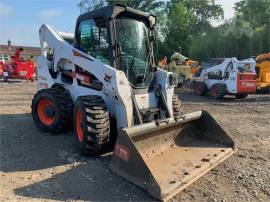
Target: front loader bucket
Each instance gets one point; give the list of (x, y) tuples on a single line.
[(165, 159)]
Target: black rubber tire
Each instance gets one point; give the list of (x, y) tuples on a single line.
[(200, 88), (63, 109), (192, 84), (218, 91), (95, 124), (241, 96), (179, 85), (177, 106)]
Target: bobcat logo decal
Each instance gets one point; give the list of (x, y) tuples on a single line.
[(107, 78)]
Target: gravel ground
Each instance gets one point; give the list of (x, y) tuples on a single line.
[(40, 167)]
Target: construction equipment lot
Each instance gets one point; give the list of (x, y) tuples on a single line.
[(42, 167)]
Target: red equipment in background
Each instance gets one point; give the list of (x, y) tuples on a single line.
[(18, 68)]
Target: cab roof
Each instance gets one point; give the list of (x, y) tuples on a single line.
[(113, 10)]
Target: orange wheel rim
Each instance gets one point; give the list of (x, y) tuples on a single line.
[(79, 120), (45, 111), (215, 91)]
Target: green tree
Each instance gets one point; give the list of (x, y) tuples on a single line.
[(88, 5), (144, 5), (257, 13), (204, 11), (247, 34), (180, 26), (186, 17)]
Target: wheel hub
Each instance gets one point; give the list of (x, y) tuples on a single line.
[(46, 111), (215, 91), (49, 111)]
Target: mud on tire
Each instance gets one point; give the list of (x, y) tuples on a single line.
[(52, 110), (177, 106), (91, 124)]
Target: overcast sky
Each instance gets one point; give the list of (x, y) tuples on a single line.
[(227, 7), (21, 19)]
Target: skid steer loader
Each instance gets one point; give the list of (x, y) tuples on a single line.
[(104, 81), (226, 76)]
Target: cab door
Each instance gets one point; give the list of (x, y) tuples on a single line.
[(93, 39)]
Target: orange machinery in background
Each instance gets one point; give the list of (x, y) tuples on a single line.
[(18, 68), (263, 71)]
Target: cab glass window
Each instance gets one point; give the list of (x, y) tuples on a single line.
[(216, 74), (93, 39)]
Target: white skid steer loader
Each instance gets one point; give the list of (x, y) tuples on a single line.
[(103, 80), (222, 76)]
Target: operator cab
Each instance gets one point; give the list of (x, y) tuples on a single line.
[(121, 37)]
